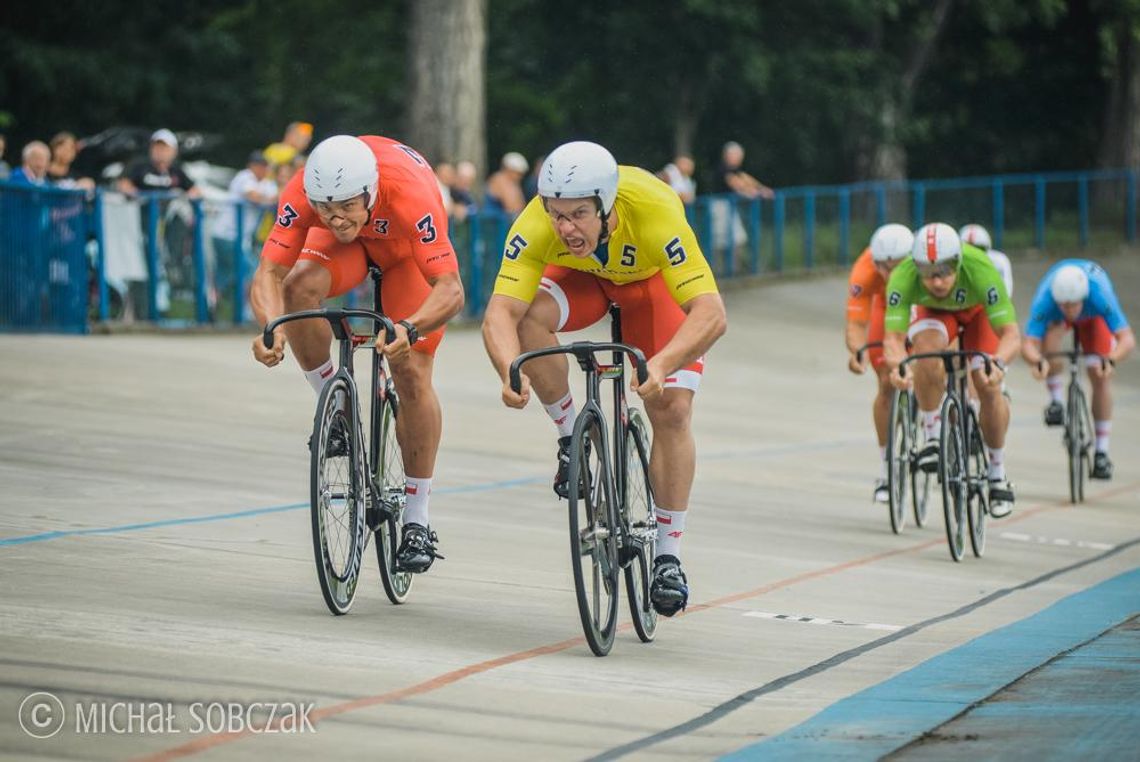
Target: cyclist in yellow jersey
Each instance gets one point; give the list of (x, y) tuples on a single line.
[(598, 234)]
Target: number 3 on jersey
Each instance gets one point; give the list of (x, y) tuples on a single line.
[(426, 227), (675, 252)]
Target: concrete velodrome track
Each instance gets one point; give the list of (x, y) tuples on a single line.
[(155, 547)]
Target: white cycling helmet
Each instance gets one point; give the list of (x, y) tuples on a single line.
[(936, 244), (976, 235), (1070, 284), (580, 170), (340, 168), (891, 243)]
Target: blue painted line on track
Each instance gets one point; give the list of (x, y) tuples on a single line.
[(890, 715), (44, 536)]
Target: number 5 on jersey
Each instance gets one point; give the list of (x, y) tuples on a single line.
[(676, 252)]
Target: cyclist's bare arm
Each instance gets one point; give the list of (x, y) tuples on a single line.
[(443, 302), (705, 322), (1125, 343), (1009, 342), (501, 339), (267, 301), (856, 335)]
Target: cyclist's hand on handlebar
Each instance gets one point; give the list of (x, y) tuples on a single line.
[(654, 384), (273, 356), (398, 349), (1039, 369), (995, 375), (898, 381), (857, 364), (1102, 369), (517, 401)]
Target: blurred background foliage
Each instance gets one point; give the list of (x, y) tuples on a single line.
[(818, 91)]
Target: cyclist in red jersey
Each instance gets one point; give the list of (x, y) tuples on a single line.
[(360, 199)]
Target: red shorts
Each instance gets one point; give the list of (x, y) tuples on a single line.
[(1094, 336), (875, 332), (402, 289), (979, 335), (649, 315)]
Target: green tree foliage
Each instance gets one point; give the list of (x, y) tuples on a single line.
[(1008, 85)]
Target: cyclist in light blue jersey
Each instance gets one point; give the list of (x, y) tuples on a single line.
[(1077, 293)]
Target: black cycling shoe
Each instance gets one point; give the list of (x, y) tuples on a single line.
[(417, 549), (338, 440), (1055, 414), (928, 457), (669, 590), (562, 475), (1102, 467)]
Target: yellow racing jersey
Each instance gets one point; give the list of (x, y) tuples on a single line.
[(651, 236)]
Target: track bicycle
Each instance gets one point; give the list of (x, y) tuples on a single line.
[(356, 492), (611, 513), (902, 457), (963, 463), (1077, 437)]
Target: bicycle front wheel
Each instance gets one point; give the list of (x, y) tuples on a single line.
[(898, 458), (639, 524), (593, 542), (920, 480), (952, 474), (1077, 435), (390, 481), (977, 495), (337, 496)]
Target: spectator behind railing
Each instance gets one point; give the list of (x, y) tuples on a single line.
[(33, 170), (462, 196), (5, 168), (251, 192), (679, 175), (64, 149), (729, 233), (160, 171), (445, 178), (297, 137), (530, 184), (504, 187)]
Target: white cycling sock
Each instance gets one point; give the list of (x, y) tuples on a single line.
[(563, 414), (318, 377), (417, 492), (1055, 385), (932, 423), (670, 528), (1103, 429), (883, 462), (997, 463)]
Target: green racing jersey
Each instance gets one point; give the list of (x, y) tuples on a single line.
[(978, 282)]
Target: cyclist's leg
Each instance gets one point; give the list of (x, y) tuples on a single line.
[(650, 318), (420, 422), (930, 331), (325, 268), (1096, 338), (567, 300), (1055, 375), (994, 416), (881, 407)]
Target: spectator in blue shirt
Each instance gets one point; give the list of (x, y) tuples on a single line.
[(33, 171)]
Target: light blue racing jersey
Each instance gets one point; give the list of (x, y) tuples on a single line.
[(1101, 301)]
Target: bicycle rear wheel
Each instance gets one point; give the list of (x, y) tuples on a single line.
[(920, 480), (952, 474), (593, 543), (898, 458), (1076, 435), (639, 522), (391, 481), (977, 496), (337, 497)]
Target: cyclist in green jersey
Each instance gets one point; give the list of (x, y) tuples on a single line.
[(952, 284)]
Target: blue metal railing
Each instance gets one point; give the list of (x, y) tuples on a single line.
[(67, 257)]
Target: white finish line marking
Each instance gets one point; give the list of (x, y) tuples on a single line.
[(819, 620), (1019, 537)]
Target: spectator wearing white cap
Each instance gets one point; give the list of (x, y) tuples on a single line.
[(159, 171), (504, 188)]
